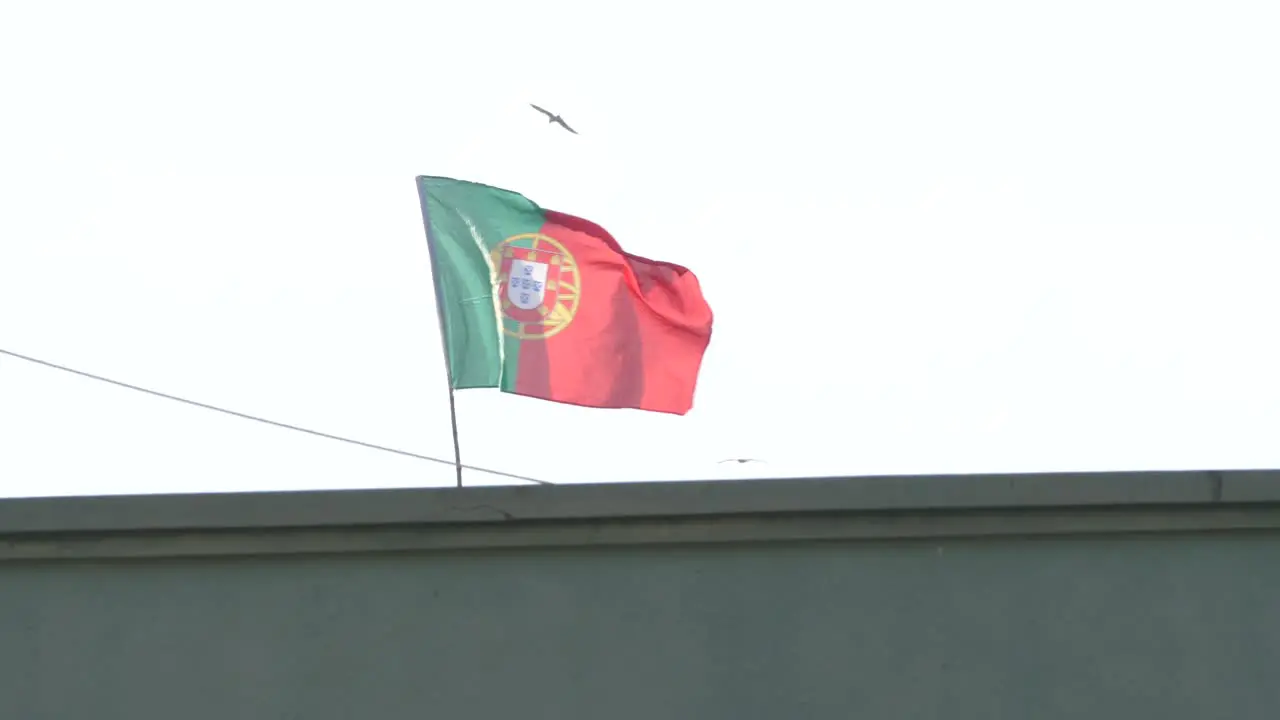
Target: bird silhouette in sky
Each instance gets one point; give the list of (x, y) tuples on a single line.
[(739, 460), (553, 118)]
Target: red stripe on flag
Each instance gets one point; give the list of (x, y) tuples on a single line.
[(637, 337)]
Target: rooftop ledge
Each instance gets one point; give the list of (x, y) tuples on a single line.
[(768, 510)]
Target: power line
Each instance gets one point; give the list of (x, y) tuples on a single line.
[(265, 421)]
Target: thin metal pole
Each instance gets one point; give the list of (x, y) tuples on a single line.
[(453, 418), (444, 335)]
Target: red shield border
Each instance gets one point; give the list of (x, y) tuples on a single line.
[(549, 294)]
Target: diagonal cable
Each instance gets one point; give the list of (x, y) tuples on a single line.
[(265, 421)]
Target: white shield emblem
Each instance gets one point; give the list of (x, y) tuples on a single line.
[(527, 284), (539, 286)]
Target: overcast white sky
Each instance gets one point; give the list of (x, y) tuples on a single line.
[(937, 236)]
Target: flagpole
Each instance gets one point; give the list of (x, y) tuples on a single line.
[(453, 420), (444, 344)]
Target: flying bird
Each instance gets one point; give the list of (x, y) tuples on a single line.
[(739, 460), (553, 118)]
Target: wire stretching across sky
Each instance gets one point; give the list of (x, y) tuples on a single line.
[(265, 421)]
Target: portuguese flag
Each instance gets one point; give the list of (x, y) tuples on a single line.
[(548, 305)]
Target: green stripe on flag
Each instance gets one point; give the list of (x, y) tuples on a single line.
[(465, 222)]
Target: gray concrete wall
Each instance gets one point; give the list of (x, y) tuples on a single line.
[(1091, 596)]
